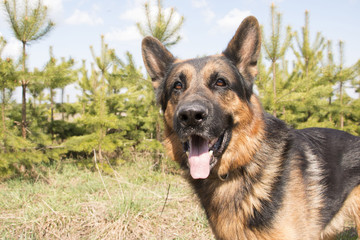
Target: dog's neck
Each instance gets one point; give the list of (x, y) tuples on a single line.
[(246, 190)]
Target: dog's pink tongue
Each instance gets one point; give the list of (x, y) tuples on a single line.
[(199, 158)]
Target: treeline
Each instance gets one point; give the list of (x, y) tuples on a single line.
[(116, 115), (309, 91)]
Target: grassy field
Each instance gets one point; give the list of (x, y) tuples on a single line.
[(135, 202)]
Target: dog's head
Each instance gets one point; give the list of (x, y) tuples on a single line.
[(209, 108)]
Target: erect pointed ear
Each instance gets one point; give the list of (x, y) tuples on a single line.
[(156, 59), (244, 48)]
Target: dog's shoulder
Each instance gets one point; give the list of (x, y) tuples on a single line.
[(336, 155)]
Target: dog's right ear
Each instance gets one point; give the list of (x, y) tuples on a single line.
[(244, 48), (156, 58)]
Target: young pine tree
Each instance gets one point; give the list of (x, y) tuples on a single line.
[(7, 84), (356, 103), (29, 23), (57, 75), (342, 106), (164, 26), (85, 87), (312, 90), (275, 50), (96, 118)]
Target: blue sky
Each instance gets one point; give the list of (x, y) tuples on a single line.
[(208, 27)]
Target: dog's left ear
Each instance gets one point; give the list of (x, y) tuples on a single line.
[(244, 48)]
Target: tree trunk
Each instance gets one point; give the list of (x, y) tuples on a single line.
[(274, 87), (273, 59), (102, 112), (62, 104), (83, 102), (23, 85), (23, 110), (341, 107), (52, 114), (158, 163), (330, 116), (100, 155), (341, 86), (3, 112), (306, 68)]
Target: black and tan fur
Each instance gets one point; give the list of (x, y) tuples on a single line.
[(267, 180)]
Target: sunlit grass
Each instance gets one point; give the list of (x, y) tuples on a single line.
[(134, 202)]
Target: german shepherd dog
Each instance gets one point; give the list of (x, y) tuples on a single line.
[(256, 177)]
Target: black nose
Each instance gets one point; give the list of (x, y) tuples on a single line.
[(192, 114)]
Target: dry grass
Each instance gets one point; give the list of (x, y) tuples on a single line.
[(133, 203), (75, 205)]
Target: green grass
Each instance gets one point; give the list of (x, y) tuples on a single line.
[(135, 202)]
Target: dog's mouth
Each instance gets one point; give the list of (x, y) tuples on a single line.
[(203, 154)]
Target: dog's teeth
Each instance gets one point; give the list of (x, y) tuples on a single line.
[(211, 152), (187, 153)]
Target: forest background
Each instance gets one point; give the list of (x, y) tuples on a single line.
[(303, 80)]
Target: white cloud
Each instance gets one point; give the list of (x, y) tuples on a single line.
[(199, 3), (208, 14), (128, 34), (206, 11), (55, 7), (96, 7), (135, 14), (12, 49), (81, 17), (232, 20)]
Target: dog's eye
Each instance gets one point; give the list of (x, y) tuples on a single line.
[(220, 82), (178, 85)]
